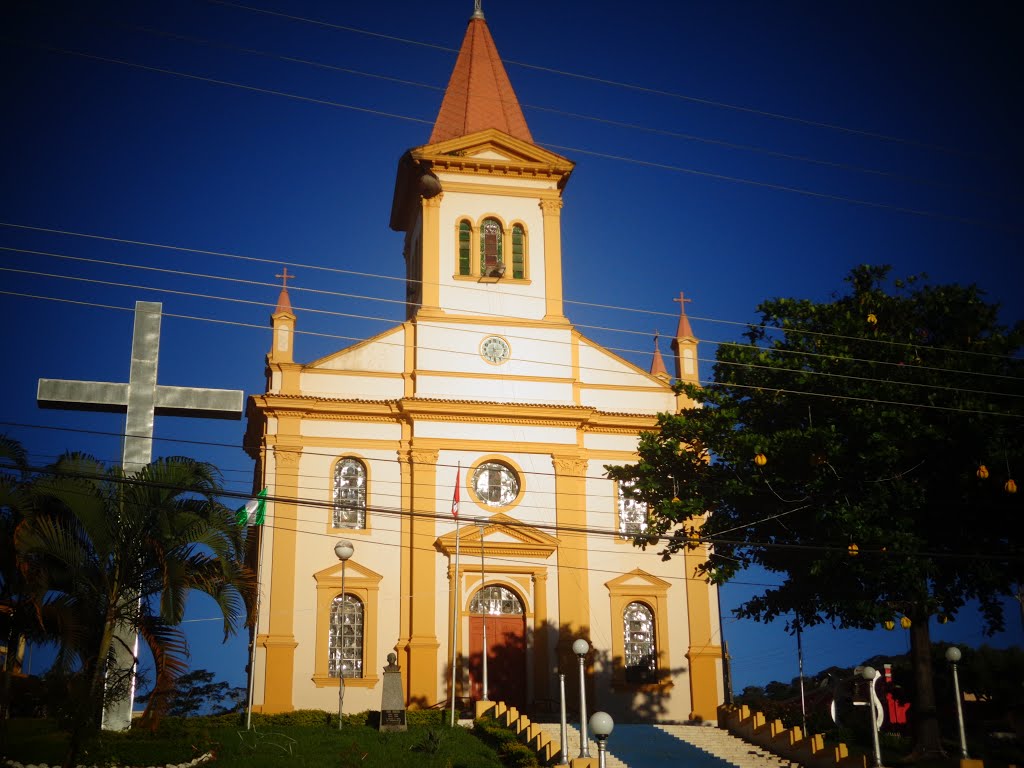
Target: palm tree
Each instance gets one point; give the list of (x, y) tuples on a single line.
[(115, 550)]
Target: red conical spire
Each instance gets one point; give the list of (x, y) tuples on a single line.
[(479, 95), (657, 364), (284, 304)]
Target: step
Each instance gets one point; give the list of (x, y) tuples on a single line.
[(724, 745)]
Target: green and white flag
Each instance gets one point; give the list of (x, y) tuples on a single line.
[(253, 511)]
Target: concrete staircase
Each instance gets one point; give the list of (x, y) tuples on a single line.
[(658, 746)]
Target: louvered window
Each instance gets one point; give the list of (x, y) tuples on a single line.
[(518, 252), (465, 235)]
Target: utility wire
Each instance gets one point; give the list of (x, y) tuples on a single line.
[(607, 156), (336, 270), (614, 83), (564, 113)]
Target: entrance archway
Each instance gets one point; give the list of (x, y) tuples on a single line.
[(503, 612)]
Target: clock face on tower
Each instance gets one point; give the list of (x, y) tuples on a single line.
[(494, 349)]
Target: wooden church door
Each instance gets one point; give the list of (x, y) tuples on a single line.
[(503, 611)]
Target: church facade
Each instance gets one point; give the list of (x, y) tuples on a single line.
[(485, 394)]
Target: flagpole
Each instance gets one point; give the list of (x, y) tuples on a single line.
[(455, 588), (455, 614), (259, 599)]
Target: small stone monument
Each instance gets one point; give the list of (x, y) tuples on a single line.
[(392, 704)]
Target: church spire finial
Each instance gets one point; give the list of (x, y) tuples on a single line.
[(478, 11)]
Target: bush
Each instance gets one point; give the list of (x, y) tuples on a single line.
[(511, 752)]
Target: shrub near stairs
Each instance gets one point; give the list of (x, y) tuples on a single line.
[(512, 752)]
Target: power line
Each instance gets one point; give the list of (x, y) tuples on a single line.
[(564, 113), (337, 270), (603, 155), (615, 83)]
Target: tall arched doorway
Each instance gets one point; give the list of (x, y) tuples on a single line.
[(503, 611)]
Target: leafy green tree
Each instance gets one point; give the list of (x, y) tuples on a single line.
[(128, 550), (862, 449), (196, 693)]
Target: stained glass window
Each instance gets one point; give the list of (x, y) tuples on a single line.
[(496, 601), (632, 512), (641, 656), (350, 494), (490, 246), (346, 641), (496, 484)]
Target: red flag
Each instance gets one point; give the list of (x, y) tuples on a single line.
[(455, 498)]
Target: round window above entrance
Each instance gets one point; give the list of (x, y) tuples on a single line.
[(495, 484)]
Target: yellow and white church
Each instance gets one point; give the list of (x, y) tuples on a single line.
[(486, 381)]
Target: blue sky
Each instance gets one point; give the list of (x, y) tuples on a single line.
[(735, 151)]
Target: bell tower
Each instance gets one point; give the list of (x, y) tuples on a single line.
[(480, 204)]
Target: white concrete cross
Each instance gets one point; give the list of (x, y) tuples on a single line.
[(141, 399)]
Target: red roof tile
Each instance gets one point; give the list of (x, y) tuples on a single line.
[(479, 95)]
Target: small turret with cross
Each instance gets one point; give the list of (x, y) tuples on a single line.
[(283, 323), (685, 345)]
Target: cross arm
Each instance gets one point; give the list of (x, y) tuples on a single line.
[(200, 402), (82, 395)]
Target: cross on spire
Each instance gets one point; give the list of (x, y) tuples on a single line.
[(478, 11), (683, 331), (285, 277)]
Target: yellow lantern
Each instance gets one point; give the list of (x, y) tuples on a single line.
[(872, 318), (905, 622), (982, 472), (1010, 487), (760, 459), (889, 624), (853, 549), (943, 618)]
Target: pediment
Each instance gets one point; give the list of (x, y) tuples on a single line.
[(491, 146), (502, 535), (379, 353), (637, 579), (354, 573)]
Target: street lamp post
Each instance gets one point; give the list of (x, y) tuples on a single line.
[(580, 648), (953, 656), (344, 550), (601, 725), (871, 675)]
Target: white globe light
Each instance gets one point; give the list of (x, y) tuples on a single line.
[(344, 549), (953, 654), (580, 647), (601, 723), (868, 673)]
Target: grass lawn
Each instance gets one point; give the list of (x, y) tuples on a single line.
[(298, 740)]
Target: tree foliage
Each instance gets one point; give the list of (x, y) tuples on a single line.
[(841, 447), (97, 549), (196, 693)]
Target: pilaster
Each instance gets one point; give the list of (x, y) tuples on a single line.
[(552, 211), (704, 653), (431, 253), (280, 639), (422, 646), (541, 657), (573, 584)]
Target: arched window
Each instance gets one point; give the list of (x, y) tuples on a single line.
[(345, 645), (641, 659), (350, 494), (465, 235), (632, 512), (491, 254), (518, 252), (496, 601)]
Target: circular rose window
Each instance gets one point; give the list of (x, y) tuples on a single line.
[(496, 484)]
